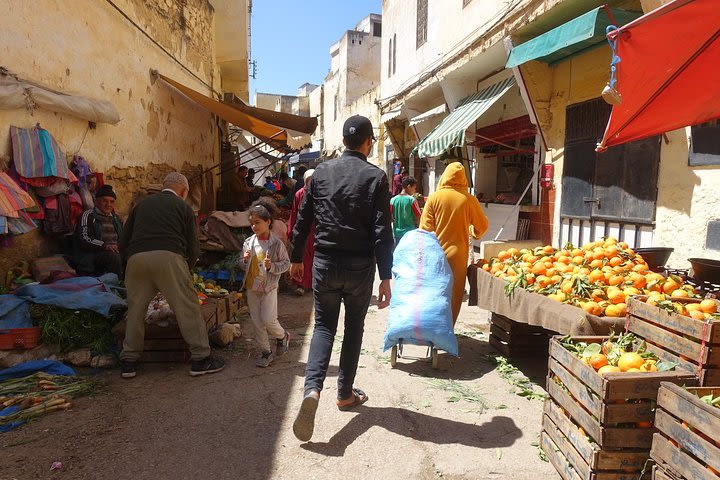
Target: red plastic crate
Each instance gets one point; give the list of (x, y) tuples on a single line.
[(20, 338)]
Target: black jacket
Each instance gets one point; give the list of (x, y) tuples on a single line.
[(349, 201)]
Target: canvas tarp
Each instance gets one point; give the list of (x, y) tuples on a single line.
[(669, 71), (535, 309), (16, 94)]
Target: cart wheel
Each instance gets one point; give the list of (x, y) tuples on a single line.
[(435, 356), (393, 356)]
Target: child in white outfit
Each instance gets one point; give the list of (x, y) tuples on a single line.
[(265, 259)]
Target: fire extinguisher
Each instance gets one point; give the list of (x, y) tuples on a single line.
[(547, 173)]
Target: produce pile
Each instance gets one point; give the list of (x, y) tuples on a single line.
[(704, 310), (73, 329), (599, 277), (207, 288), (622, 353), (712, 400), (25, 399)]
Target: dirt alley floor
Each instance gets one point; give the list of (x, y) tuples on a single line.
[(462, 421)]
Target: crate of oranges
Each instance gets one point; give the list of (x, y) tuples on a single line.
[(687, 445), (680, 329), (606, 389), (598, 277)]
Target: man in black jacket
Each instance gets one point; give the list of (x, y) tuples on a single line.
[(349, 201), (160, 244), (95, 244)]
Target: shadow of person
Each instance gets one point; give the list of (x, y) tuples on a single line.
[(498, 432)]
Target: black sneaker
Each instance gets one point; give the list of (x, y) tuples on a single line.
[(265, 359), (282, 344), (128, 369), (208, 364)]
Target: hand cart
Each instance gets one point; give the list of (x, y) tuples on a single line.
[(397, 352)]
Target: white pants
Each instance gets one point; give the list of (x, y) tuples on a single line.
[(263, 312)]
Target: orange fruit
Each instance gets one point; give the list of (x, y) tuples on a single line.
[(640, 267), (631, 291), (696, 315), (613, 311), (558, 297), (616, 280), (648, 366), (633, 370), (596, 264), (598, 361), (566, 287), (608, 369), (607, 347), (578, 260), (616, 297), (630, 360), (592, 308), (670, 286), (503, 255), (538, 269), (564, 259), (679, 293), (548, 249), (596, 276), (693, 307), (639, 280), (709, 306), (616, 261), (513, 252)]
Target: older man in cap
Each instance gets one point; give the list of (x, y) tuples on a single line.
[(160, 244), (95, 244), (348, 199)]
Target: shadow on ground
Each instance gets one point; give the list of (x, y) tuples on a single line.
[(498, 432)]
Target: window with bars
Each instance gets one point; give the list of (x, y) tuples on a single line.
[(390, 56), (705, 144), (422, 23), (394, 52)]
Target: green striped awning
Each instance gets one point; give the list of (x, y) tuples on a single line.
[(573, 37), (451, 131)]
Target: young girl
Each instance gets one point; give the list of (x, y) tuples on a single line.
[(265, 259)]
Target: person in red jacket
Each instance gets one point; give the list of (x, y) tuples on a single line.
[(309, 254)]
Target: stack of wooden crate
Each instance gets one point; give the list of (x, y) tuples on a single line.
[(599, 427), (516, 339), (687, 445), (693, 344)]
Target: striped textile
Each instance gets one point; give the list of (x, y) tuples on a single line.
[(451, 131), (3, 225), (23, 224), (12, 197), (36, 154)]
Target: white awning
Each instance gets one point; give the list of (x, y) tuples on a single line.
[(432, 113), (387, 116)]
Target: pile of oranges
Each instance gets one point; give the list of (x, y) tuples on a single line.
[(599, 277), (704, 310), (618, 354)]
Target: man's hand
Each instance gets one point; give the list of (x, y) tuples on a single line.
[(384, 294), (111, 247), (297, 271)]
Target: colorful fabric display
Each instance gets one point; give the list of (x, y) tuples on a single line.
[(36, 154), (12, 197)]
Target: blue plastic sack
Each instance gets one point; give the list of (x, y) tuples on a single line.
[(420, 307)]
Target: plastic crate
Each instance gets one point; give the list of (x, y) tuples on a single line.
[(20, 338)]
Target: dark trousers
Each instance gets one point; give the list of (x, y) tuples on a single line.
[(108, 262), (348, 280)]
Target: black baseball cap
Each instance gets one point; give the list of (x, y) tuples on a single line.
[(358, 126)]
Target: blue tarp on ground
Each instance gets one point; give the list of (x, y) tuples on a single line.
[(24, 369), (86, 293), (14, 312)]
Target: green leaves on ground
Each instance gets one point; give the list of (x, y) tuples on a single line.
[(523, 386)]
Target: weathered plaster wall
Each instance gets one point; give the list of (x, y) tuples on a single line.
[(687, 196), (87, 47)]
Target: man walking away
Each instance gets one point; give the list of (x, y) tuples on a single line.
[(405, 209), (349, 201), (160, 244)]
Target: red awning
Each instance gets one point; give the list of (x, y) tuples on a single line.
[(669, 73)]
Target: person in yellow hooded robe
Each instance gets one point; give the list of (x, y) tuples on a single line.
[(453, 214)]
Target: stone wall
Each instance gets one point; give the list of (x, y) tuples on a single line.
[(89, 48)]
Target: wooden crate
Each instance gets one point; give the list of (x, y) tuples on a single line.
[(607, 407), (576, 457), (214, 311), (660, 474), (693, 344), (516, 339), (688, 438), (235, 301)]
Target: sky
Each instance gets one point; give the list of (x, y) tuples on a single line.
[(290, 39)]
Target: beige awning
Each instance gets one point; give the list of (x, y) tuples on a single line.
[(440, 110), (258, 128), (16, 94)]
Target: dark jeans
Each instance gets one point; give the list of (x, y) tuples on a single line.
[(348, 280), (108, 262)]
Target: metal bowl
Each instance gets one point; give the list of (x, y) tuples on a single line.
[(706, 270), (656, 257)]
